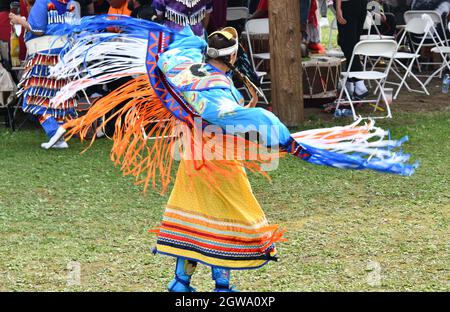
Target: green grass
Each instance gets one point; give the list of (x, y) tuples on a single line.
[(325, 33), (61, 206)]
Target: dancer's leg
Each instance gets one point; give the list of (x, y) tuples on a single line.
[(183, 273), (54, 131), (222, 278)]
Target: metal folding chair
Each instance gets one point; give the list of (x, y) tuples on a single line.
[(444, 50), (432, 38), (423, 27), (8, 89), (258, 27), (369, 24), (368, 48)]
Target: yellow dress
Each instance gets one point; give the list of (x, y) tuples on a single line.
[(221, 225)]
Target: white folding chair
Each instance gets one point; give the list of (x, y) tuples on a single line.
[(444, 50), (237, 13), (423, 27), (432, 38), (369, 24), (368, 48), (257, 27)]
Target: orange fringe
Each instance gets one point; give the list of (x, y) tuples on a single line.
[(151, 161), (131, 150)]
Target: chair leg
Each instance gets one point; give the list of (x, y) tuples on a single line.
[(348, 96), (383, 96), (403, 80), (355, 117), (434, 75), (339, 99)]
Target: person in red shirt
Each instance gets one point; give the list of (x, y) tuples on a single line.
[(262, 11)]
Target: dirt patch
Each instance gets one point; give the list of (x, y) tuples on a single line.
[(406, 102)]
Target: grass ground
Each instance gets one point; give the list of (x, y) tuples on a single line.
[(347, 231)]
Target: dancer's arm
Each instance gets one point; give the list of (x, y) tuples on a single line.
[(220, 108)]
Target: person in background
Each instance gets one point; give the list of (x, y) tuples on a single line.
[(119, 7), (262, 11), (36, 86), (86, 7), (252, 6), (312, 31), (142, 9), (218, 18), (387, 20), (176, 14), (398, 8), (101, 7), (442, 7), (350, 15), (24, 13), (5, 26), (304, 13)]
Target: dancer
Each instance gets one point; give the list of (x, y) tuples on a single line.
[(36, 86), (212, 216)]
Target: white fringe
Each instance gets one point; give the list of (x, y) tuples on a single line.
[(189, 3), (371, 142), (92, 61)]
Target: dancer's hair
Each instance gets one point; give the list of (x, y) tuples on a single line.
[(219, 40)]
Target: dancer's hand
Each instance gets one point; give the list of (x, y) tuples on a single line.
[(253, 93)]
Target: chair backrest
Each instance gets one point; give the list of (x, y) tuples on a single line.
[(259, 26), (409, 15), (418, 25), (437, 18), (424, 26), (237, 13), (375, 47), (368, 22)]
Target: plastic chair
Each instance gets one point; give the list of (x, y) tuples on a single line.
[(368, 48)]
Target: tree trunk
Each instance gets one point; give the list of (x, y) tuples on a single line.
[(286, 61)]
